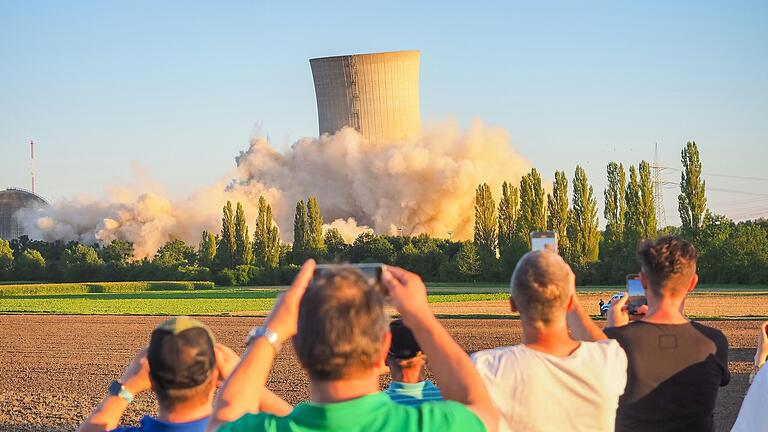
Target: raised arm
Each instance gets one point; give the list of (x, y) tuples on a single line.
[(107, 415), (459, 380), (244, 390)]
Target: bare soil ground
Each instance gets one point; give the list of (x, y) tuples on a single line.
[(55, 369)]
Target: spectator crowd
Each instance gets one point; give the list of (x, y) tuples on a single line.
[(653, 370)]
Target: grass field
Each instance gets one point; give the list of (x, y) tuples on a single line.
[(461, 300)]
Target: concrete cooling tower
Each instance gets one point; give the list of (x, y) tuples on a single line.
[(377, 94), (11, 201)]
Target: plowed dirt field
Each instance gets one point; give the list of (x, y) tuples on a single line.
[(55, 369)]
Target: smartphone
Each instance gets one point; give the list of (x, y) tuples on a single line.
[(371, 271), (636, 294), (544, 240)]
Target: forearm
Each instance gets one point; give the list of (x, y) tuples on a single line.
[(581, 325), (106, 416), (274, 404), (459, 380), (242, 391)]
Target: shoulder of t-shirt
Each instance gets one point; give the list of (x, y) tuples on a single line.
[(250, 422), (448, 416), (127, 429), (716, 335), (488, 360)]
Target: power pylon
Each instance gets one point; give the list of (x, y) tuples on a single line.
[(658, 193)]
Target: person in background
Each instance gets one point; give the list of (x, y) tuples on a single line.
[(600, 307), (182, 365), (676, 365), (341, 339), (753, 415), (551, 382), (407, 364)]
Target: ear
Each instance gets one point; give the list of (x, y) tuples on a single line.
[(694, 281), (512, 305), (386, 341), (571, 302)]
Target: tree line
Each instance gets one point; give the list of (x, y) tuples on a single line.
[(730, 252)]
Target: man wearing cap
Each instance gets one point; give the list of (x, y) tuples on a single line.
[(407, 365), (182, 365)]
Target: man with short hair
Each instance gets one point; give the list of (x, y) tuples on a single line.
[(182, 365), (407, 364), (342, 339), (676, 365), (551, 382)]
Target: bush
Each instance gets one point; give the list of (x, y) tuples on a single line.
[(102, 287)]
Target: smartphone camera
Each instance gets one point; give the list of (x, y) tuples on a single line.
[(371, 272), (544, 240)]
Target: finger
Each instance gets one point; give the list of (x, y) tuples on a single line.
[(389, 280), (303, 278), (400, 274), (642, 310), (621, 301), (220, 347)]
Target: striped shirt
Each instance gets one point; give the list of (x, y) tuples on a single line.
[(413, 394)]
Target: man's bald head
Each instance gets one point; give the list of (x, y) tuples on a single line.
[(541, 286)]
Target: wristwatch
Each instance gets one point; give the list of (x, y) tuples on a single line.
[(268, 334), (116, 388)]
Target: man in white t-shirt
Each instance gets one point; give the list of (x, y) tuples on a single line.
[(551, 382), (753, 414)]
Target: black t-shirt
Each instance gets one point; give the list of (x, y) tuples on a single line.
[(673, 376)]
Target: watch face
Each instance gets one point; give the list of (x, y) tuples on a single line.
[(114, 388)]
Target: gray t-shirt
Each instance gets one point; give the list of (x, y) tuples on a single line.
[(673, 376)]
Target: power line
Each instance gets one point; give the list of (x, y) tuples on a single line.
[(726, 175)]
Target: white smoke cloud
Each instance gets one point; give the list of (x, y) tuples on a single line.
[(423, 185)]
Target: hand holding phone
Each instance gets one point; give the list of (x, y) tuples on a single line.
[(371, 271)]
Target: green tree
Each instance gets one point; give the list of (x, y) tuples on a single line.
[(80, 262), (558, 212), (692, 202), (6, 258), (585, 238), (314, 233), (227, 245), (633, 224), (266, 238), (335, 245), (509, 209), (485, 229), (369, 247), (117, 252), (533, 215), (30, 265), (615, 204), (175, 253), (468, 261), (206, 250), (242, 255), (299, 230), (647, 202)]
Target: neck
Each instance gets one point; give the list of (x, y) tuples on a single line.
[(551, 339), (185, 412), (343, 389), (665, 310), (409, 375)]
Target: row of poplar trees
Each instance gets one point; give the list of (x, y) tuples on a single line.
[(502, 233)]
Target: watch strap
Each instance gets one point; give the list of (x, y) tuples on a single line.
[(272, 337), (116, 388)]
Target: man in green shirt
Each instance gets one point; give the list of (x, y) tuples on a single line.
[(342, 339)]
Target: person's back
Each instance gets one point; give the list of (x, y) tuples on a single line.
[(407, 363), (676, 366), (551, 382), (674, 373)]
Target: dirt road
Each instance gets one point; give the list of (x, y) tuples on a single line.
[(55, 369)]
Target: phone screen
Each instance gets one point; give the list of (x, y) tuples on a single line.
[(544, 240), (636, 294)]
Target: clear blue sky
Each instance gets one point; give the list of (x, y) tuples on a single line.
[(179, 87)]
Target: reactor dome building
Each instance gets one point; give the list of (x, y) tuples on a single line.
[(11, 201), (377, 94)]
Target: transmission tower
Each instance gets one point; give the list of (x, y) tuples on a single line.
[(658, 193)]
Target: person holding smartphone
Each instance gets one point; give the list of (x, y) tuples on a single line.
[(753, 414), (676, 365)]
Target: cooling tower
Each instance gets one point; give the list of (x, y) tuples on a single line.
[(377, 94), (11, 201)]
